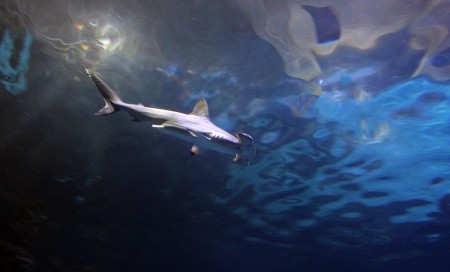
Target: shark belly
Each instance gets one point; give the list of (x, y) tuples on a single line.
[(205, 143), (194, 129), (152, 115)]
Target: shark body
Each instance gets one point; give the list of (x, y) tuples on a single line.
[(195, 127)]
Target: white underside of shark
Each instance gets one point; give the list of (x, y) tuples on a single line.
[(195, 127)]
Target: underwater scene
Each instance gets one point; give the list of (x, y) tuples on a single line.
[(225, 135)]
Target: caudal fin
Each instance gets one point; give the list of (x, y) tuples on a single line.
[(108, 94)]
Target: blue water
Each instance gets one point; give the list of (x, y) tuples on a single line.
[(349, 114)]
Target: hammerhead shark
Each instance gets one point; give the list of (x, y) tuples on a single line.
[(195, 127)]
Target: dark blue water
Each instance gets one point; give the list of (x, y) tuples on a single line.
[(347, 103)]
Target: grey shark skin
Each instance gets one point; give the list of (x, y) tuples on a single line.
[(195, 127)]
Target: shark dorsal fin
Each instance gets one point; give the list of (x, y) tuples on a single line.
[(201, 108)]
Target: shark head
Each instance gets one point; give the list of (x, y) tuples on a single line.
[(247, 148)]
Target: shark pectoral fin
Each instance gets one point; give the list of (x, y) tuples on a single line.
[(193, 134), (204, 137), (195, 150)]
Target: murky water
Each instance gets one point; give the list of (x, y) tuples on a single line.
[(347, 103)]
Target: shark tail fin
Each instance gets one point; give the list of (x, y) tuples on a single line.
[(109, 95), (247, 146)]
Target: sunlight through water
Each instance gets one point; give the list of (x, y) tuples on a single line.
[(347, 103)]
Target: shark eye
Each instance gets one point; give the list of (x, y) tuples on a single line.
[(245, 135)]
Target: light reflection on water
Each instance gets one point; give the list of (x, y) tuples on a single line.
[(393, 165), (352, 150)]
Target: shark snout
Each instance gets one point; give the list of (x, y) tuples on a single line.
[(247, 146)]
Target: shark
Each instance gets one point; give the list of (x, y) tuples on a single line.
[(195, 127)]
